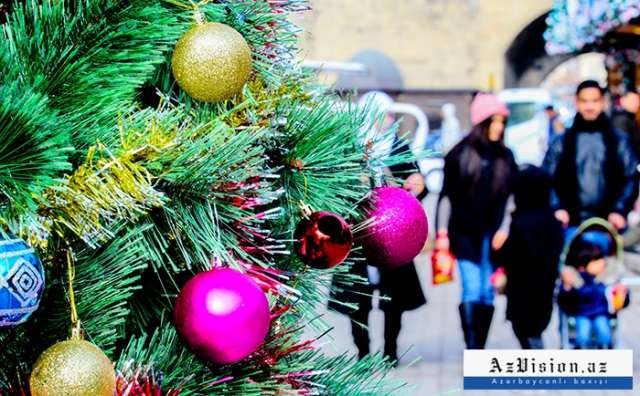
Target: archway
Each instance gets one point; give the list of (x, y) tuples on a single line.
[(564, 78), (527, 63)]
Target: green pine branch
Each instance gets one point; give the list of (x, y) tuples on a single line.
[(33, 149), (322, 156), (366, 377), (88, 56)]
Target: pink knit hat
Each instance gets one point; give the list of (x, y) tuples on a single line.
[(486, 105)]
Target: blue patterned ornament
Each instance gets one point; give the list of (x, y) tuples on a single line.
[(21, 281)]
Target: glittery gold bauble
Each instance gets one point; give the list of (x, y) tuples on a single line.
[(211, 62), (73, 368)]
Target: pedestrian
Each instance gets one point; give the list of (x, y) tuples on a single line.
[(478, 180), (400, 286), (530, 258), (593, 166), (450, 131), (585, 296), (624, 118), (555, 126)]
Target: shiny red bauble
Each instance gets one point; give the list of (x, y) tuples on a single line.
[(323, 240)]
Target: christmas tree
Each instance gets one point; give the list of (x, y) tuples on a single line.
[(153, 151)]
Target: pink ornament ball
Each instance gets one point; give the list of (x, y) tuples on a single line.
[(222, 315), (399, 229)]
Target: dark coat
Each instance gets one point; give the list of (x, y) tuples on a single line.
[(476, 212), (530, 258), (589, 300), (403, 170), (400, 285), (626, 122), (531, 253), (596, 155), (588, 297)]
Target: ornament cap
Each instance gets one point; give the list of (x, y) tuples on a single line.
[(199, 16), (306, 210), (76, 332), (379, 179)]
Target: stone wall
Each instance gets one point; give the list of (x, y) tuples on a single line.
[(437, 44)]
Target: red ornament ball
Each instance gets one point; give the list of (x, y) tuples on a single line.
[(323, 240), (399, 229), (222, 315)]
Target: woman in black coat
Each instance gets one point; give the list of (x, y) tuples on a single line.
[(530, 258), (478, 174)]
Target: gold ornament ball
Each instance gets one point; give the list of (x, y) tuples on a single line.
[(73, 368), (211, 62)]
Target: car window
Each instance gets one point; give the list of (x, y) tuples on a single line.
[(521, 112)]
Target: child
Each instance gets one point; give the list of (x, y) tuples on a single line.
[(585, 295), (530, 258)]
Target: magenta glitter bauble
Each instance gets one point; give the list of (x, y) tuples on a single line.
[(399, 229), (222, 315)]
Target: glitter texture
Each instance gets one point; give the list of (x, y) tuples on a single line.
[(222, 315), (399, 230), (211, 62), (73, 368)]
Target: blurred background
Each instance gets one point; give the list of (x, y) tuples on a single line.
[(430, 53)]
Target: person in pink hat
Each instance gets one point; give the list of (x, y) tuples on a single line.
[(472, 218)]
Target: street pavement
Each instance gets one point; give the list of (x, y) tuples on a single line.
[(431, 342)]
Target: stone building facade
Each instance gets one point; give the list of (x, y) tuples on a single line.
[(435, 44)]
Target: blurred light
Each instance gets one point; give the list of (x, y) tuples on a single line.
[(344, 67)]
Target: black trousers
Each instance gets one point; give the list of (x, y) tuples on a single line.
[(392, 327)]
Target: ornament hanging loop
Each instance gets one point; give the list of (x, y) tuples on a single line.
[(199, 16), (76, 325)]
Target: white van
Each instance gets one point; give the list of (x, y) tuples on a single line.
[(527, 129)]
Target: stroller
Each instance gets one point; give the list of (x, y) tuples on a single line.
[(600, 232)]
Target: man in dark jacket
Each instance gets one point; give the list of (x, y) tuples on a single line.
[(593, 166)]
